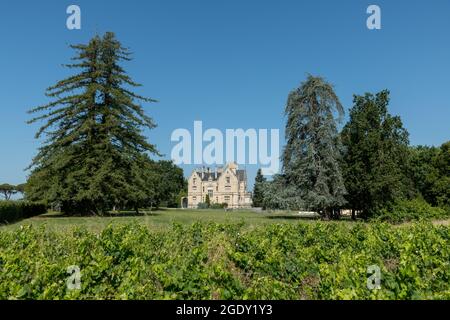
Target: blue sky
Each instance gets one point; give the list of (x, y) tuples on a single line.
[(231, 63)]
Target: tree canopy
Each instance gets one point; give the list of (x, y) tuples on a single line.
[(94, 151), (7, 190), (313, 148), (164, 181), (374, 162), (429, 169), (258, 187)]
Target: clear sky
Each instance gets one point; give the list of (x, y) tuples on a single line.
[(230, 63)]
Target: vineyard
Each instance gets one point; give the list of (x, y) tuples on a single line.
[(323, 260)]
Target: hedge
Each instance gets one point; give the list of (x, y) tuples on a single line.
[(11, 211), (411, 210)]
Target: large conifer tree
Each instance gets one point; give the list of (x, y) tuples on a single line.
[(313, 149), (93, 154)]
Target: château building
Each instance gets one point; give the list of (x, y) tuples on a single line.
[(223, 185)]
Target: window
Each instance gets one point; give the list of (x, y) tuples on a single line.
[(194, 181), (203, 189), (210, 193), (194, 198), (194, 188), (228, 179), (226, 198), (217, 188)]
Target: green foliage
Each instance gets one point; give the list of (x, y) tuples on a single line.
[(206, 205), (20, 187), (258, 189), (202, 205), (279, 194), (408, 210), (374, 162), (164, 184), (11, 211), (218, 206), (182, 194), (429, 169), (215, 261), (422, 172), (313, 148), (95, 150), (207, 201), (8, 190)]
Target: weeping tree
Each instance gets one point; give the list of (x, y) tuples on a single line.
[(94, 151), (313, 148)]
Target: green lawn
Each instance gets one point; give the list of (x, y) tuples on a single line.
[(160, 219)]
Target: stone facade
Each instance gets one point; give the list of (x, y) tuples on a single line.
[(223, 185)]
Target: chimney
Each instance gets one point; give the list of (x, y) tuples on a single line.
[(215, 173), (203, 172)]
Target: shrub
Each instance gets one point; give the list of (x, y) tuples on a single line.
[(202, 205), (409, 210), (218, 206), (11, 211)]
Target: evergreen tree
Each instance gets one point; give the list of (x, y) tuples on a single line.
[(94, 151), (207, 201), (258, 189), (374, 163), (278, 194), (313, 149)]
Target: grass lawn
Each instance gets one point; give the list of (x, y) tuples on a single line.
[(160, 219)]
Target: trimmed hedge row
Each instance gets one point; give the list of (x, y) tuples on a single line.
[(11, 211)]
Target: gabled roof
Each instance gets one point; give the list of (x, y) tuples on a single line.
[(241, 175), (206, 176)]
